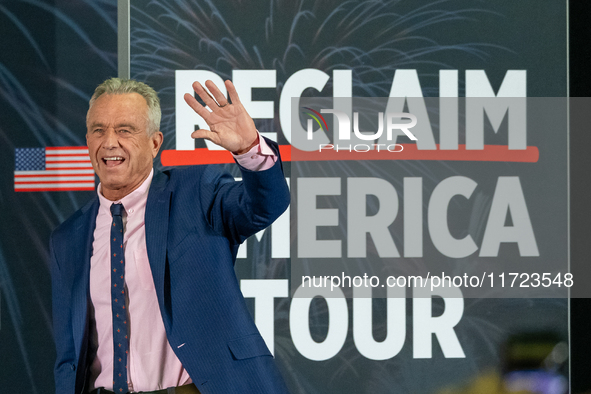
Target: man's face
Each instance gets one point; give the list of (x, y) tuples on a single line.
[(118, 143)]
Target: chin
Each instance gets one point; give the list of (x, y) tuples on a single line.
[(113, 184)]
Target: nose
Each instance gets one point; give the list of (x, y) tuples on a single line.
[(110, 139)]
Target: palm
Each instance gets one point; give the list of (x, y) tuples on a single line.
[(230, 126)]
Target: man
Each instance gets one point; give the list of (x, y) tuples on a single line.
[(145, 298)]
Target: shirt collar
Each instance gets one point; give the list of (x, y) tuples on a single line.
[(132, 201)]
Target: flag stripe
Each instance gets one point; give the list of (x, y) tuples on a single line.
[(53, 178), (54, 172), (53, 184), (63, 165), (67, 158), (67, 152), (71, 168), (53, 187)]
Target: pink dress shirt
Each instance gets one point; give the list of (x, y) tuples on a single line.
[(152, 364)]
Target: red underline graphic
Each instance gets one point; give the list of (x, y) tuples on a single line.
[(490, 153)]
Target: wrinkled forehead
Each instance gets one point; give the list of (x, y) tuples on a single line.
[(117, 108)]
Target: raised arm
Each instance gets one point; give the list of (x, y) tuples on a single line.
[(238, 209)]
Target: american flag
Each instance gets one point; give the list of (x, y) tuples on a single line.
[(53, 169)]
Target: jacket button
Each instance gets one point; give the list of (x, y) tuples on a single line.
[(73, 367)]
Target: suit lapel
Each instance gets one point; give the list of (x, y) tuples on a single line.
[(83, 235), (156, 220)]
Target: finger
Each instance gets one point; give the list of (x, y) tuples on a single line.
[(193, 103), (204, 133), (217, 94), (205, 96), (232, 92)]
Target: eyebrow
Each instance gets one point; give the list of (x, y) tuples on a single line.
[(118, 126)]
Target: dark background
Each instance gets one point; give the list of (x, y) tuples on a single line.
[(53, 53), (580, 170)]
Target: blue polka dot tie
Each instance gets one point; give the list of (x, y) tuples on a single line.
[(120, 334)]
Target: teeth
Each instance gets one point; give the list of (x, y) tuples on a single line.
[(113, 158)]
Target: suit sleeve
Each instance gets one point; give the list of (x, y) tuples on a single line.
[(240, 209), (65, 365)]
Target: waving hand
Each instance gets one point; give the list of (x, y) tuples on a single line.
[(230, 126)]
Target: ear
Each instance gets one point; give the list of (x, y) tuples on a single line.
[(156, 141)]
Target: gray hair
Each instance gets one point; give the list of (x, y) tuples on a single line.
[(127, 86)]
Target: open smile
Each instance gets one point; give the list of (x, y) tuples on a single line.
[(113, 161)]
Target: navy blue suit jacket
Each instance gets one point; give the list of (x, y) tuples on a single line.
[(195, 219)]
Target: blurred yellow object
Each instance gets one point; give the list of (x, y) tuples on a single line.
[(487, 383)]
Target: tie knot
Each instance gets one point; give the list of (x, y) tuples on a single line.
[(116, 209)]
